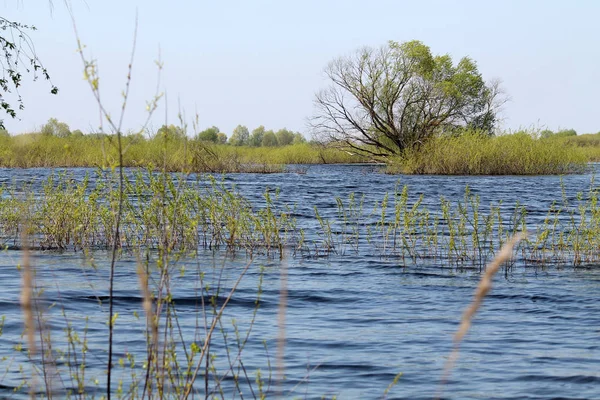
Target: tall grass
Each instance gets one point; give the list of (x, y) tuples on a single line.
[(587, 144), (477, 154), (174, 154), (202, 213)]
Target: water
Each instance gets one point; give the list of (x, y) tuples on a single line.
[(352, 322)]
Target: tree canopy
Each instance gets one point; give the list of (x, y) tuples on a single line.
[(240, 136), (382, 101), (55, 128), (256, 137), (209, 135)]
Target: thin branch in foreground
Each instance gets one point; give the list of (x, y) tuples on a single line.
[(485, 285), (280, 357), (27, 304)]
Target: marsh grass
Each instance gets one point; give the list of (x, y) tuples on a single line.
[(587, 144), (201, 212), (77, 215), (171, 153), (459, 234), (168, 218), (476, 154)]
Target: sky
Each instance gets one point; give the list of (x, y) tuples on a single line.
[(260, 62)]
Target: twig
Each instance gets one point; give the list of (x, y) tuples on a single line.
[(280, 357), (27, 302), (485, 285)]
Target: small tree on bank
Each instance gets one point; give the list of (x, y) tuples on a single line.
[(209, 135), (240, 136), (257, 136), (172, 132), (284, 137), (55, 128), (269, 139), (382, 101), (221, 138)]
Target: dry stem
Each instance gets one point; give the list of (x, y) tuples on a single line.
[(485, 285)]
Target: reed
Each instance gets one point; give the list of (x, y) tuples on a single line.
[(475, 154), (201, 212), (173, 153), (483, 288)]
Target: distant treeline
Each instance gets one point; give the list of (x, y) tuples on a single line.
[(55, 145), (241, 136), (169, 147)]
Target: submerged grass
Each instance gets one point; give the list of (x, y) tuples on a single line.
[(167, 218), (202, 212), (72, 215)]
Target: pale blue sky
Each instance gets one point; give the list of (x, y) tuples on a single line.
[(260, 62)]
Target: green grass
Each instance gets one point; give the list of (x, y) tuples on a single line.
[(72, 215), (587, 144), (476, 154), (36, 150), (469, 154)]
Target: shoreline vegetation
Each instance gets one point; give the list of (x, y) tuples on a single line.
[(471, 153)]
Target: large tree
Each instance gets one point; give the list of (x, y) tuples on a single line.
[(382, 101)]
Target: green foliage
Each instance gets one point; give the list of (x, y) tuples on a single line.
[(384, 101), (240, 136), (298, 138), (547, 134), (284, 137), (221, 138), (566, 133), (256, 137), (55, 128), (269, 139), (170, 132), (19, 57), (474, 153), (209, 135)]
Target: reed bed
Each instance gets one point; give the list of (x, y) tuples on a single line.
[(587, 144), (78, 215), (473, 153), (172, 154), (459, 235), (202, 212)]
